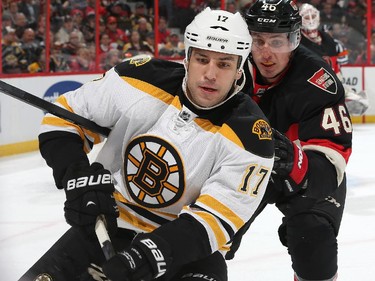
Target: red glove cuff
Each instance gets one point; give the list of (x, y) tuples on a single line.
[(300, 165)]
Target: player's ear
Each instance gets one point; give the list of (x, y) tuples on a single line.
[(239, 74), (186, 63)]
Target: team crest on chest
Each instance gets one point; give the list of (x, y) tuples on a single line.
[(154, 172)]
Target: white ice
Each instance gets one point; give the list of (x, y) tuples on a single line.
[(31, 220)]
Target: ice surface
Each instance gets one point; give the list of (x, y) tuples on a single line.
[(31, 220)]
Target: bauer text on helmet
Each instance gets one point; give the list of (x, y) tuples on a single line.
[(219, 31)]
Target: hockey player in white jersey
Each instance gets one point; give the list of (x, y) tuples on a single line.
[(190, 156)]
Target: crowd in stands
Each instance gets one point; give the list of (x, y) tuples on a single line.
[(126, 28)]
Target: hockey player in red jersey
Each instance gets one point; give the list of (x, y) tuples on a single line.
[(305, 104), (332, 51), (189, 153)]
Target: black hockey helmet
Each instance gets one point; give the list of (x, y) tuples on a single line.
[(273, 16)]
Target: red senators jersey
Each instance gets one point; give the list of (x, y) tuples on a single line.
[(308, 104), (169, 160)]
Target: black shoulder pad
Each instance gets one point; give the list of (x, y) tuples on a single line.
[(166, 75)]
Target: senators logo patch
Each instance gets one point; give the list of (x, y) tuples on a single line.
[(262, 129), (154, 172), (324, 80), (140, 60)]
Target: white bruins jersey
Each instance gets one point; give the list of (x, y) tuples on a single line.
[(167, 158)]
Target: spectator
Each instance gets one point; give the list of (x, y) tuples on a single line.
[(77, 17), (361, 57), (58, 60), (6, 21), (31, 10), (164, 31), (110, 59), (66, 29), (140, 12), (40, 32), (183, 14), (82, 61), (88, 28), (116, 35), (150, 40), (92, 50), (78, 4), (12, 11), (122, 12), (316, 3), (73, 45), (166, 9), (143, 27), (31, 49), (40, 65), (102, 26), (91, 6), (231, 7), (329, 15), (136, 45), (356, 17), (106, 44), (173, 49), (20, 24), (58, 10), (13, 57)]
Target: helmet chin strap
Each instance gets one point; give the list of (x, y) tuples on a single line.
[(235, 89)]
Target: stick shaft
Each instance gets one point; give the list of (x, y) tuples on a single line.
[(100, 227), (51, 108), (103, 237)]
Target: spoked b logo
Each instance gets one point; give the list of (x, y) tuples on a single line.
[(154, 172)]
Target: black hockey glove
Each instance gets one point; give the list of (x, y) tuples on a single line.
[(89, 193), (147, 258), (290, 166)]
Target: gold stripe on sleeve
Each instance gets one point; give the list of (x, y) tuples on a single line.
[(215, 226), (222, 209)]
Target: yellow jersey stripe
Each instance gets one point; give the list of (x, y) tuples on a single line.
[(150, 89), (221, 209), (135, 221), (120, 198), (215, 226)]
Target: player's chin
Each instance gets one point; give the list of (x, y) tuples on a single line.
[(207, 102)]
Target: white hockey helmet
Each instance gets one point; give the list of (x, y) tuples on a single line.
[(310, 17), (219, 31)]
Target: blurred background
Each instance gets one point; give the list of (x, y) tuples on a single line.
[(92, 36), (52, 46)]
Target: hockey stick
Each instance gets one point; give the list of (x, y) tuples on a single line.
[(100, 227), (103, 237), (51, 108)]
